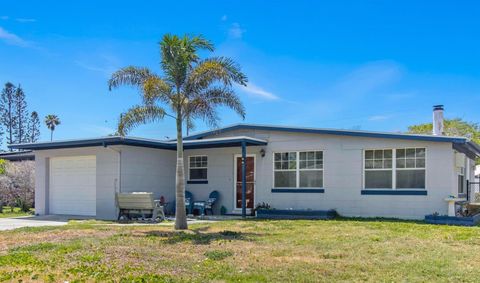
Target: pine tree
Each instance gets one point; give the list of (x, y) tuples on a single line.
[(7, 108), (33, 131), (21, 116)]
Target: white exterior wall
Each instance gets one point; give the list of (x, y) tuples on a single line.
[(220, 175), (343, 175), (149, 170), (106, 181), (146, 169), (143, 169)]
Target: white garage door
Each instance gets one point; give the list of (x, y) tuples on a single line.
[(73, 185)]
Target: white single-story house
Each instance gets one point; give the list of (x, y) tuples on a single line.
[(356, 173)]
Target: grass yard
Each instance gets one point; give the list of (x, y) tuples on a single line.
[(337, 250), (7, 212)]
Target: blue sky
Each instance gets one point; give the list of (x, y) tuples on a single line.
[(371, 65)]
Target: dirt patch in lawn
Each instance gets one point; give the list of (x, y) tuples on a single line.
[(9, 239)]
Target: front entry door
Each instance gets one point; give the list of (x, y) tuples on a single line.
[(250, 174)]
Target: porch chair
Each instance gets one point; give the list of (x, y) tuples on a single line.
[(212, 199), (189, 202), (204, 206)]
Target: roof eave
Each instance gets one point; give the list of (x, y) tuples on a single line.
[(327, 132), (469, 148), (228, 142)]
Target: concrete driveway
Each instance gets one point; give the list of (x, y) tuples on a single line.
[(32, 221)]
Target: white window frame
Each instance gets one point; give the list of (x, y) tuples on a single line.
[(379, 169), (297, 170), (394, 168), (415, 168), (462, 173), (286, 170), (200, 155)]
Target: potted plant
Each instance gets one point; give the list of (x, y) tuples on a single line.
[(261, 206)]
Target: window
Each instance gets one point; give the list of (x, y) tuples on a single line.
[(410, 168), (394, 168), (285, 169), (198, 167), (311, 169), (461, 180), (302, 169), (378, 169)]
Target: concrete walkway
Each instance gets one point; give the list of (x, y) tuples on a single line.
[(31, 221), (59, 220)]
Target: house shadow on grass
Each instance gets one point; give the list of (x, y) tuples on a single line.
[(201, 236)]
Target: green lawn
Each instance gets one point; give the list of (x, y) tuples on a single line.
[(7, 212), (337, 250)]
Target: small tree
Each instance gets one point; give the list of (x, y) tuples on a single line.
[(3, 164), (17, 185), (52, 121), (7, 111), (21, 116), (452, 127), (33, 130)]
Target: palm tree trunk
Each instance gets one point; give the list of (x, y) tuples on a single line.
[(51, 135), (180, 214)]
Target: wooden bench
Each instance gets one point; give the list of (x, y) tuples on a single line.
[(139, 204)]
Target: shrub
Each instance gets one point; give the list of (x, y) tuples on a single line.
[(17, 184)]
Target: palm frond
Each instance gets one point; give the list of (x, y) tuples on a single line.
[(215, 70), (154, 89), (199, 42), (131, 75), (179, 55), (139, 115), (201, 109), (51, 121), (218, 96), (189, 123)]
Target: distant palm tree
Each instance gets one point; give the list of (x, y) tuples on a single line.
[(190, 88), (52, 121)]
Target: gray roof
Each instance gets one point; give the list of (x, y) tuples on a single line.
[(204, 140), (461, 144), (356, 133), (134, 141), (18, 155)]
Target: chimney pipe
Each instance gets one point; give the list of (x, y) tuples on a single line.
[(437, 120)]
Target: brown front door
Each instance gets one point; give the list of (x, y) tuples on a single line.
[(250, 174)]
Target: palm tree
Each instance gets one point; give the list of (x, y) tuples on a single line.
[(52, 121), (189, 89)]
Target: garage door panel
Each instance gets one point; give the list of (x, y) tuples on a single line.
[(69, 207), (73, 185)]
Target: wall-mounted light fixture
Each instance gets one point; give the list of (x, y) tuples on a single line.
[(262, 152)]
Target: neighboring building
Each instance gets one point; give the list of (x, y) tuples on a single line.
[(17, 155), (357, 173)]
